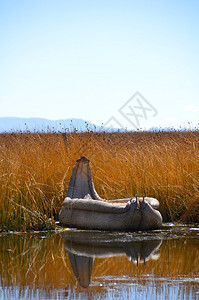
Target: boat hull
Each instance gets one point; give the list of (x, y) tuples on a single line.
[(94, 214)]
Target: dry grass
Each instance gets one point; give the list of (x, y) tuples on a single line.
[(35, 170)]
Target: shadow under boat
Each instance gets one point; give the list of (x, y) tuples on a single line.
[(83, 246)]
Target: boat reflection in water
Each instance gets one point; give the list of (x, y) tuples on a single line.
[(84, 246)]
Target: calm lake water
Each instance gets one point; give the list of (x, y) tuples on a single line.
[(75, 264)]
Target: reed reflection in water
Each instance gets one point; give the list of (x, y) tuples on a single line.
[(122, 265), (84, 246)]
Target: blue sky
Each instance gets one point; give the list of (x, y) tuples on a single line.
[(85, 59)]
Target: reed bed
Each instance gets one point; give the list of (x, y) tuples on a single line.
[(35, 169)]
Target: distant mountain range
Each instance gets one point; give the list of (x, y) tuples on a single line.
[(14, 124)]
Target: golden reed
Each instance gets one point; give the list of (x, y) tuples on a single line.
[(35, 169)]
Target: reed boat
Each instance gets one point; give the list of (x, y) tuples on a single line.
[(84, 208)]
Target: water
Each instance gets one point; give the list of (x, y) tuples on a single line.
[(75, 264)]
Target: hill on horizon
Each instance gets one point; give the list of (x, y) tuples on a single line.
[(15, 124)]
